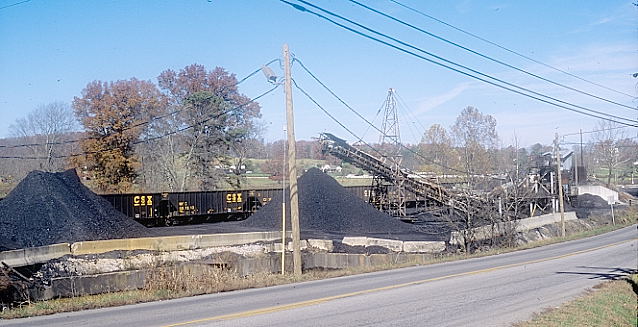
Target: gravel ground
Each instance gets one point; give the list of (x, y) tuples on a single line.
[(47, 208)]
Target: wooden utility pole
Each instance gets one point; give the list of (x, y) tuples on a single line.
[(292, 167), (283, 213), (560, 188)]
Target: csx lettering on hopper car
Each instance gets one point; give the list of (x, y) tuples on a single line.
[(168, 208)]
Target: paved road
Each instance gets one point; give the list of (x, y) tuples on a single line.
[(491, 291)]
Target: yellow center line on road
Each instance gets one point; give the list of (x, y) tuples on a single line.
[(301, 304)]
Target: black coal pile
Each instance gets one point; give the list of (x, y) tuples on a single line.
[(586, 204), (590, 201), (326, 207), (47, 208)]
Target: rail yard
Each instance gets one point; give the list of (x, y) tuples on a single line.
[(318, 163), (334, 219)]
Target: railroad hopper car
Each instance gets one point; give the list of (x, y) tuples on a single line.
[(168, 208)]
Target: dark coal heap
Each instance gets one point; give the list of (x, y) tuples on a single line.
[(325, 206), (590, 201), (48, 208)]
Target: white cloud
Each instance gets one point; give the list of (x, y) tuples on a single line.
[(435, 101), (600, 58), (619, 16), (601, 21)]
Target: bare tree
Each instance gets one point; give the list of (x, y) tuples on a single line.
[(475, 135), (606, 146), (437, 146), (477, 140), (42, 129)]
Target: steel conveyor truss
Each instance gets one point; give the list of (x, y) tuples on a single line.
[(412, 183)]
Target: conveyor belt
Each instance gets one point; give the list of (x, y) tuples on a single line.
[(382, 167)]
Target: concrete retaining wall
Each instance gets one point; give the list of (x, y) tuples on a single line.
[(168, 243), (30, 256), (173, 243), (423, 247), (601, 191), (136, 279), (521, 225), (325, 245), (212, 240), (395, 245), (347, 260), (88, 285)]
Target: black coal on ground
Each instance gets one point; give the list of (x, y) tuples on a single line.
[(588, 204), (326, 207), (48, 208), (590, 201)]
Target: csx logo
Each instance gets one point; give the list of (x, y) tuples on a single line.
[(142, 200), (233, 198)]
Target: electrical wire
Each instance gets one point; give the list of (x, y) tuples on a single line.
[(14, 4), (508, 50), (150, 139), (303, 9), (359, 139), (500, 62), (373, 120), (152, 119), (369, 123), (411, 121), (407, 109), (594, 131)]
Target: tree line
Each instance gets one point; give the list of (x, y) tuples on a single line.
[(195, 120), (185, 130)]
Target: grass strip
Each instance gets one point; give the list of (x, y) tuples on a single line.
[(612, 303)]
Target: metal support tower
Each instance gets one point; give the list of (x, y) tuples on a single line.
[(392, 199)]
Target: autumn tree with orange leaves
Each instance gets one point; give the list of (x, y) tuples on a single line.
[(113, 115)]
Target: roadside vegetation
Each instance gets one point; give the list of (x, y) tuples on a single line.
[(176, 281), (612, 303)]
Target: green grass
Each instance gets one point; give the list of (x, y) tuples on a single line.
[(354, 181), (610, 304)]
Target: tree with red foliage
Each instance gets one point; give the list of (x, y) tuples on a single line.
[(112, 113)]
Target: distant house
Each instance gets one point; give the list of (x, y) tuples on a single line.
[(331, 169)]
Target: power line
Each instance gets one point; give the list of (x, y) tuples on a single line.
[(404, 104), (303, 9), (416, 153), (594, 131), (150, 138), (361, 117), (488, 57), (373, 120), (14, 4), (152, 119), (509, 50), (359, 139)]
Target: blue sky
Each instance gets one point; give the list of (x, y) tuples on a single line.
[(50, 49)]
